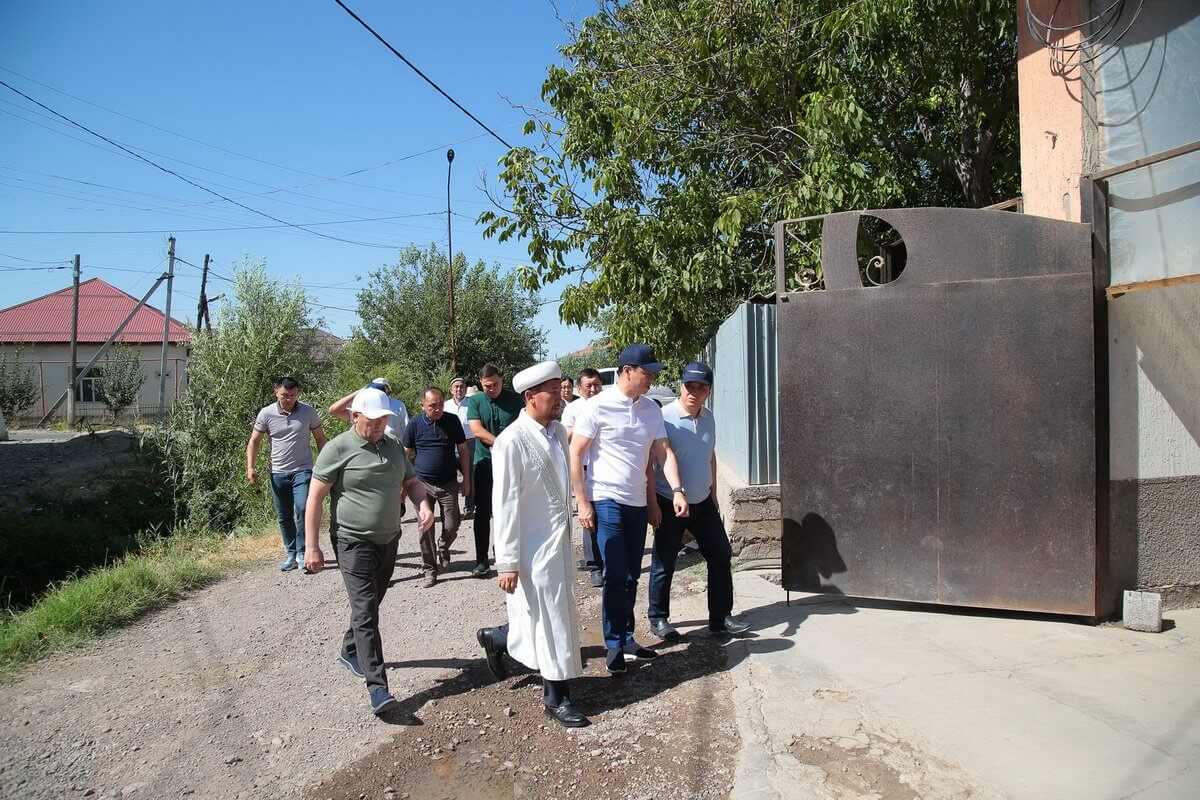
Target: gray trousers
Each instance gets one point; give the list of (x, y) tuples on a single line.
[(446, 497), (366, 569)]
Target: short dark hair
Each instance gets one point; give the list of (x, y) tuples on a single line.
[(588, 372), (490, 370), (435, 389), (567, 378), (287, 382)]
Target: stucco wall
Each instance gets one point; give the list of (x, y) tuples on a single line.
[(51, 370)]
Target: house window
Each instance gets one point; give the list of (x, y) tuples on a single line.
[(88, 391)]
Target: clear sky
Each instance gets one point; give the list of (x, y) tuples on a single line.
[(266, 102)]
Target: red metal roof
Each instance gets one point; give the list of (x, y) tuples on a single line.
[(102, 306)]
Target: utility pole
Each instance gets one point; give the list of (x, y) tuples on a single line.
[(74, 344), (202, 309), (162, 373), (450, 250)]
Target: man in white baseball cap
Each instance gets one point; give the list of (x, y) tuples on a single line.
[(367, 475), (396, 423), (532, 512)]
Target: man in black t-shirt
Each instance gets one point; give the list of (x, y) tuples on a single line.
[(437, 447)]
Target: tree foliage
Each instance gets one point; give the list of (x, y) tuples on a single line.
[(18, 389), (263, 332), (405, 333), (120, 378), (678, 132)]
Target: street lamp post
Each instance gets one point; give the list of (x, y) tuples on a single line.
[(450, 250)]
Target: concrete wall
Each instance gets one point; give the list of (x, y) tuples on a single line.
[(51, 370), (1140, 96), (1148, 92)]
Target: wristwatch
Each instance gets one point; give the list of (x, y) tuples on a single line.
[(678, 490)]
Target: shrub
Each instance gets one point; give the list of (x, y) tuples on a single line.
[(18, 389)]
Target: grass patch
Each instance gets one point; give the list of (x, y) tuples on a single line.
[(81, 608)]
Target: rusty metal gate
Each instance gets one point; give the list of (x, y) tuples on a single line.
[(939, 431)]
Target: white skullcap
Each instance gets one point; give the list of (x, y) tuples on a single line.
[(371, 403), (536, 375)]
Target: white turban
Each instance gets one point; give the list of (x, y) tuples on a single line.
[(536, 375)]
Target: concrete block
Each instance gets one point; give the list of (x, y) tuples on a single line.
[(1143, 611)]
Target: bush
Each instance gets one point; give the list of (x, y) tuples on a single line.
[(120, 379), (18, 389), (265, 331)]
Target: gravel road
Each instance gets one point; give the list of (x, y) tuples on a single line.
[(234, 692)]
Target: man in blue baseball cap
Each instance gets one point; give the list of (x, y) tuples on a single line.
[(620, 432), (691, 432)]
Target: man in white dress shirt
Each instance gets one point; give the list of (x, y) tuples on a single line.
[(531, 506), (457, 404), (621, 431)]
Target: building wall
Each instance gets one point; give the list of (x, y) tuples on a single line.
[(1140, 96), (51, 370)]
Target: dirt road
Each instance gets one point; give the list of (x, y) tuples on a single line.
[(234, 692)]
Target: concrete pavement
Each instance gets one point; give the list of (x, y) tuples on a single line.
[(842, 698)]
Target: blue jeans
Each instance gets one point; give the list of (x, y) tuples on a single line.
[(704, 523), (290, 491), (621, 535)]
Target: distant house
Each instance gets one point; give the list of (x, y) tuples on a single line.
[(41, 330)]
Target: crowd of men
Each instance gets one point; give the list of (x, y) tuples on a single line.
[(514, 457)]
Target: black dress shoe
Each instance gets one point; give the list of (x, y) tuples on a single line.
[(596, 579), (615, 663), (567, 715), (730, 625), (664, 630), (495, 658), (480, 571)]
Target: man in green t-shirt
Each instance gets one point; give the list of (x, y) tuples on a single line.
[(367, 474), (489, 413)]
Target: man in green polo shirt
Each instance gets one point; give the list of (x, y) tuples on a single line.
[(489, 413), (367, 475)]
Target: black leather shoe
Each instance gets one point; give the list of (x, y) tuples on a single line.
[(567, 715), (480, 571), (615, 663), (731, 626), (596, 579), (495, 658), (664, 630)]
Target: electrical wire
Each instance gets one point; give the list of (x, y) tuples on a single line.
[(186, 180), (235, 228), (424, 77)]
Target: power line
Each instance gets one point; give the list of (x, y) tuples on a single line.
[(425, 77), (237, 228), (186, 180)]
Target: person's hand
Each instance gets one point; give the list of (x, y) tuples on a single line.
[(424, 517), (681, 505), (587, 514), (314, 560), (465, 487), (507, 581), (654, 513), (252, 476)]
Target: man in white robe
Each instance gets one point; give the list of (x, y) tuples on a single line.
[(534, 559)]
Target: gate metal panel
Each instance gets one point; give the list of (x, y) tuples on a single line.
[(939, 432)]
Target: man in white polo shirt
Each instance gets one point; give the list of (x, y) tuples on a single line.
[(456, 404), (621, 431)]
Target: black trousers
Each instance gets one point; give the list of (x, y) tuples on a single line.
[(554, 693), (366, 569), (704, 523), (482, 480)]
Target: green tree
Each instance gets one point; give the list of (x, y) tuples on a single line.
[(678, 132), (18, 389), (120, 379), (263, 332), (405, 332)]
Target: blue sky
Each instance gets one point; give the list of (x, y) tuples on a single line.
[(297, 84)]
